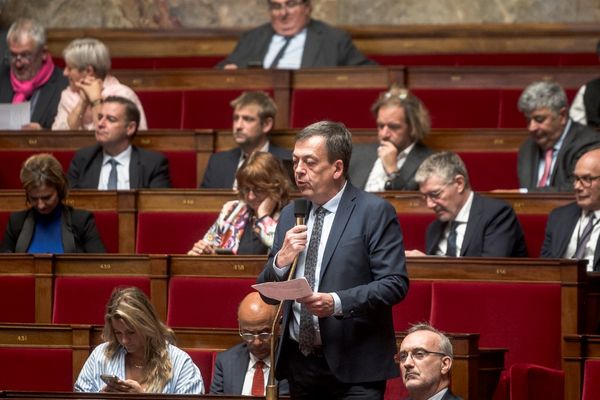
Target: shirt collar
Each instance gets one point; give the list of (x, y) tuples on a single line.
[(122, 158), (332, 205), (463, 214)]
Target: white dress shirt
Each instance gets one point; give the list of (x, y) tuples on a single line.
[(247, 387), (123, 159), (378, 177), (462, 219), (292, 57), (590, 248)]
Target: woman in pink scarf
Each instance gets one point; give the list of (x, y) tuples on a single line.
[(87, 68)]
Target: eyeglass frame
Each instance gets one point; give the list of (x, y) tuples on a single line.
[(435, 196), (256, 190), (287, 5), (586, 180), (402, 356), (26, 58), (268, 335)]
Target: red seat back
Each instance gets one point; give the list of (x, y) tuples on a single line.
[(532, 382), (107, 223), (17, 296), (414, 308), (591, 380), (36, 369), (82, 300), (12, 161), (192, 301), (490, 170), (204, 360), (182, 169), (414, 227), (163, 108), (534, 229)]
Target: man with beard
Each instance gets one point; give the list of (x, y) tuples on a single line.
[(253, 118), (467, 224)]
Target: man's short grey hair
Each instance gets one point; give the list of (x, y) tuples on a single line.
[(445, 344), (338, 140), (445, 165), (85, 52), (29, 28), (542, 94)]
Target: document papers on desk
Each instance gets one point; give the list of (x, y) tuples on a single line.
[(285, 290), (14, 116)]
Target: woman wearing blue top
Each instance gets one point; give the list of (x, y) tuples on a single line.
[(138, 351), (49, 225)]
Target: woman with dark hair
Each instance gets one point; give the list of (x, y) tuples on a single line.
[(49, 225), (139, 355), (247, 226)]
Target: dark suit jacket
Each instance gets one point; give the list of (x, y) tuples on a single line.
[(46, 105), (147, 169), (591, 102), (230, 371), (364, 264), (559, 229), (365, 155), (222, 166), (325, 46), (78, 227), (578, 141), (493, 230)]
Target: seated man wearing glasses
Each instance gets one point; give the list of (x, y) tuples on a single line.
[(294, 40), (425, 360), (467, 224), (573, 230), (244, 369)]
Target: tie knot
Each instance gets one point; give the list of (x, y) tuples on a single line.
[(591, 215), (113, 162), (259, 364)]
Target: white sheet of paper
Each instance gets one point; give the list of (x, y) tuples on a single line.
[(286, 290), (14, 116)]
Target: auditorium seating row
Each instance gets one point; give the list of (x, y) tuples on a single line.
[(532, 308), (188, 151), (170, 221)]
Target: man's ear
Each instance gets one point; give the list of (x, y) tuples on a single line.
[(131, 128), (460, 182), (446, 365), (339, 169), (267, 125)]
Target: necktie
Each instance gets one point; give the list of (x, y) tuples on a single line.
[(547, 166), (306, 338), (281, 52), (585, 237), (112, 177), (451, 248), (258, 380)]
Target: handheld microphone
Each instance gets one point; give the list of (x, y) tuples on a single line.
[(300, 208)]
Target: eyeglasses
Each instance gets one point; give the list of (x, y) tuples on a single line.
[(245, 190), (417, 355), (435, 195), (251, 337), (288, 5), (26, 58), (586, 180)]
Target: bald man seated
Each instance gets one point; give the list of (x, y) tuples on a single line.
[(238, 370)]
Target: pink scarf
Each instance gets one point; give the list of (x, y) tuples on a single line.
[(24, 89)]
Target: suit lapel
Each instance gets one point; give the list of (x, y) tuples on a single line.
[(413, 161), (474, 218), (68, 238), (24, 239), (365, 165), (311, 46), (240, 369), (566, 231), (437, 228), (135, 169)]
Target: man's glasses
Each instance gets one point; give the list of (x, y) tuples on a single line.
[(417, 355), (251, 337), (26, 58), (585, 180), (288, 5), (435, 195)]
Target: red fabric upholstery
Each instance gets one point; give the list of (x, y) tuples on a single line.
[(524, 318), (532, 382), (591, 380), (163, 108), (534, 228), (350, 106), (4, 215), (414, 227), (206, 302), (204, 360), (448, 107), (190, 227), (107, 223), (82, 300), (12, 161), (489, 170), (187, 62), (17, 296), (36, 369), (415, 308), (182, 169), (395, 390), (414, 59)]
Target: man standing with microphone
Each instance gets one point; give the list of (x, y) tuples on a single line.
[(337, 343)]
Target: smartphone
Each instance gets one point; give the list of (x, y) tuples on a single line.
[(223, 251), (110, 379)]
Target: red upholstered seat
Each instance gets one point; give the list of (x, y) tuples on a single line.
[(204, 359), (489, 170), (523, 318), (82, 300), (4, 215), (395, 390), (107, 223), (532, 382), (534, 229), (152, 226), (163, 108), (12, 161), (206, 302), (591, 380), (415, 308), (350, 106), (17, 296), (182, 169), (414, 227), (36, 369)]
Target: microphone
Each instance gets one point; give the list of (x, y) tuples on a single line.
[(300, 208)]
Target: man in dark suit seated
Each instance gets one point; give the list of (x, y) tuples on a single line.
[(253, 118), (402, 124), (585, 108), (425, 359), (573, 230), (294, 40), (467, 224), (548, 156), (113, 162), (244, 369), (338, 342), (31, 74)]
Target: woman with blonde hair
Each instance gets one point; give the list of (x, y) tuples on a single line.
[(139, 355), (247, 226)]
